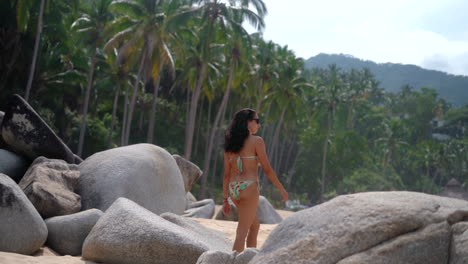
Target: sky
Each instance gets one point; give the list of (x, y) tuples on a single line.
[(432, 34)]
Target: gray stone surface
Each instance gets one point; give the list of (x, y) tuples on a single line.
[(13, 164), (190, 172), (266, 212), (427, 246), (50, 184), (216, 239), (201, 209), (67, 233), (129, 233), (352, 224), (24, 131), (189, 199), (21, 227), (143, 173), (459, 245), (218, 257)]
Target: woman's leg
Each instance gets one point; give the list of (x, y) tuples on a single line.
[(247, 207), (253, 233)]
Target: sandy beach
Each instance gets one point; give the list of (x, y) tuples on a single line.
[(48, 256)]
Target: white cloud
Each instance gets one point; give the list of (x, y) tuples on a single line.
[(400, 31)]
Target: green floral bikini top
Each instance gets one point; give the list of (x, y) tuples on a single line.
[(239, 161)]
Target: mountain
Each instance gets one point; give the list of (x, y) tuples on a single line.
[(393, 76)]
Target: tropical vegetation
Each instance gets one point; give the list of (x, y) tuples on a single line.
[(105, 74)]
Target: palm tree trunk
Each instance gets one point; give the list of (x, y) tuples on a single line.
[(275, 141), (36, 49), (196, 143), (124, 120), (325, 150), (86, 102), (214, 128), (114, 113), (260, 96), (190, 128), (291, 171), (134, 96), (150, 136)]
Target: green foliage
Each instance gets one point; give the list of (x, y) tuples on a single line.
[(364, 180), (375, 139)]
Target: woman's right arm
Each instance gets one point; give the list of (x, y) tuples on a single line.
[(270, 173)]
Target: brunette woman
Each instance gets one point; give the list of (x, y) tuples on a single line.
[(243, 153)]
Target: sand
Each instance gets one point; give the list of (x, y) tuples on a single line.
[(48, 256)]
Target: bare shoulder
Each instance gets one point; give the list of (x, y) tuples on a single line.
[(258, 140)]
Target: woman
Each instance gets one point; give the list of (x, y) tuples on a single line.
[(242, 153)]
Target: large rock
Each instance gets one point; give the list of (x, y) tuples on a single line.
[(428, 245), (189, 199), (50, 184), (24, 131), (459, 244), (128, 233), (265, 211), (375, 226), (201, 209), (215, 239), (190, 172), (143, 173), (67, 233), (22, 229), (13, 164), (218, 257)]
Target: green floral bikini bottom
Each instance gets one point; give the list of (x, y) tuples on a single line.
[(235, 187)]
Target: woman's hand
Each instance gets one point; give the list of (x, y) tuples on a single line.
[(226, 206), (284, 194)]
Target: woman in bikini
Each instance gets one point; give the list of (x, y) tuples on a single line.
[(243, 151)]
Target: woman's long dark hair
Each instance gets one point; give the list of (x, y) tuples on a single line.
[(238, 130)]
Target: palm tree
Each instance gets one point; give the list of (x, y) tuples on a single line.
[(236, 46), (214, 14), (93, 22), (391, 141), (330, 94), (23, 7), (147, 26)]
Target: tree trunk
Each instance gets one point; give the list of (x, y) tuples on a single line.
[(134, 95), (325, 150), (275, 141), (36, 49), (214, 128), (114, 113), (124, 121), (291, 171), (190, 128), (150, 136), (196, 143), (86, 102)]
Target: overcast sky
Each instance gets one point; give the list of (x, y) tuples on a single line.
[(430, 33)]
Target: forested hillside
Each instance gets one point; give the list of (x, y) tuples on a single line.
[(393, 76), (105, 74)]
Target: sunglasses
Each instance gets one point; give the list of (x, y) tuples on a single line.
[(257, 120)]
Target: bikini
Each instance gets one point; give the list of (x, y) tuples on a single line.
[(235, 187)]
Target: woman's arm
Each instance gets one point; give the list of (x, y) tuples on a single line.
[(270, 173)]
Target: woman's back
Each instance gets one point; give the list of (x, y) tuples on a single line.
[(244, 164)]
